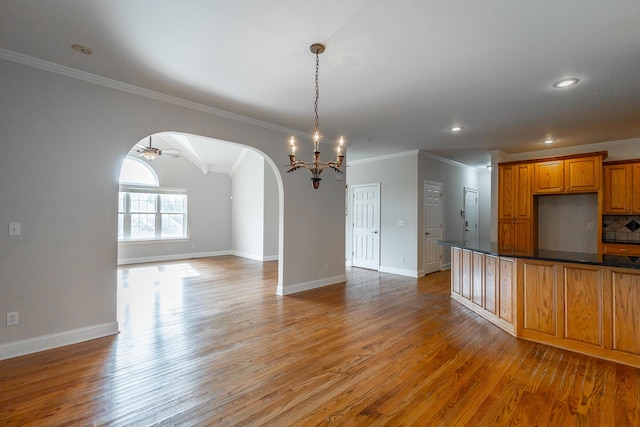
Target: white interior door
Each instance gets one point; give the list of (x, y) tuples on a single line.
[(470, 215), (366, 226), (432, 251)]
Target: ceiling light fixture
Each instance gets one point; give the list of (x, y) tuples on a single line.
[(456, 128), (81, 49), (549, 141), (565, 83), (316, 166)]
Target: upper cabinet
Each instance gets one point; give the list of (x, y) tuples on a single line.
[(515, 191), (622, 188), (568, 175)]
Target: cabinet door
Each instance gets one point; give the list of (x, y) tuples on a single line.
[(506, 192), (456, 270), (522, 235), (524, 196), (583, 305), (538, 306), (618, 188), (635, 189), (582, 174), (548, 177), (626, 306), (506, 236)]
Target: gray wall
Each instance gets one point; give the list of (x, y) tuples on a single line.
[(401, 179), (63, 141)]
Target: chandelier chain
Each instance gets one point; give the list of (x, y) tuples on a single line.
[(317, 92)]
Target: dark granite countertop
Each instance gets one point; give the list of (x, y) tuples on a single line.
[(621, 242), (548, 255)]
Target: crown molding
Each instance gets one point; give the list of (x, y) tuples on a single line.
[(384, 157), (449, 161), (41, 64)]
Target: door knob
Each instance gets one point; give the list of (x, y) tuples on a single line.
[(374, 232), (426, 234)]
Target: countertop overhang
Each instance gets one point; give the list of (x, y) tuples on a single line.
[(493, 248)]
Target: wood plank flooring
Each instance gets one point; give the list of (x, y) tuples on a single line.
[(207, 342)]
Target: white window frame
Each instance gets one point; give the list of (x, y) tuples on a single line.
[(158, 192)]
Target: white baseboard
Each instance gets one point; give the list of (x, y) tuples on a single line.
[(254, 256), (292, 289), (446, 266), (398, 271), (47, 342), (172, 257)]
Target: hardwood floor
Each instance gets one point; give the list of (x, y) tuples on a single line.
[(207, 342)]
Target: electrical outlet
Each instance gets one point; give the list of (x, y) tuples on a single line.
[(12, 318), (402, 259)]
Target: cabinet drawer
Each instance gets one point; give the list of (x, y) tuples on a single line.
[(621, 249)]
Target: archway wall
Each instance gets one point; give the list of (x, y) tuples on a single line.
[(63, 143)]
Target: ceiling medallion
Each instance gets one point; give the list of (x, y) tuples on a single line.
[(315, 165)]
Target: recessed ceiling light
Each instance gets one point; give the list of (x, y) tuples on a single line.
[(565, 83), (81, 49), (456, 128), (549, 141)]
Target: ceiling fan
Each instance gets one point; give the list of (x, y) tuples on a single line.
[(151, 152)]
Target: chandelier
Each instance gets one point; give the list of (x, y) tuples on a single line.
[(315, 165)]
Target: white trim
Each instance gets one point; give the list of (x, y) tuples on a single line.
[(254, 256), (385, 157), (446, 266), (140, 91), (47, 342), (172, 257), (300, 287), (449, 161), (399, 271), (238, 161)]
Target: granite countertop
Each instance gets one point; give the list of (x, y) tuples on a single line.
[(548, 255)]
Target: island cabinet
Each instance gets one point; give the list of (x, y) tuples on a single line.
[(579, 174), (622, 188), (588, 309), (486, 284)]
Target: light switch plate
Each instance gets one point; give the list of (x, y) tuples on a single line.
[(14, 229)]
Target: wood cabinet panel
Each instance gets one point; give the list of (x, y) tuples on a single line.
[(506, 290), (618, 188), (466, 274), (477, 281), (582, 174), (583, 305), (456, 270), (539, 305), (626, 312), (548, 177), (635, 189), (490, 283)]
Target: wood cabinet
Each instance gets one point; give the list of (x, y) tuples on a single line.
[(516, 235), (621, 249), (514, 192), (618, 184), (567, 175), (486, 284), (622, 188), (588, 309), (515, 206)]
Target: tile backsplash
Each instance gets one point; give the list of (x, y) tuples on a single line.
[(621, 228)]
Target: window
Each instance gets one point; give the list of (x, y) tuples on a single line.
[(148, 212)]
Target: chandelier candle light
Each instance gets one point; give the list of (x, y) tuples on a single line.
[(316, 166)]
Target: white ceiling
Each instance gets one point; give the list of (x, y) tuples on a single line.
[(397, 72)]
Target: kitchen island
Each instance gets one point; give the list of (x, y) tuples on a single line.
[(583, 302)]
